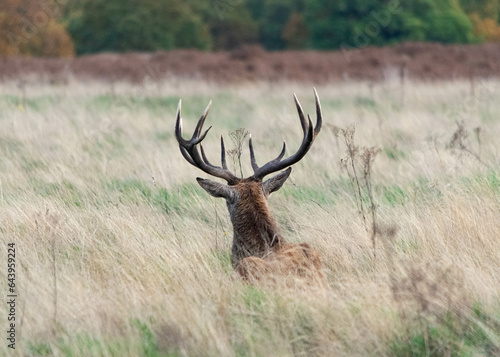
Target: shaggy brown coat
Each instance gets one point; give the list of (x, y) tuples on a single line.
[(259, 249)]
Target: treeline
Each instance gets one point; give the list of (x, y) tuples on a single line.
[(62, 27)]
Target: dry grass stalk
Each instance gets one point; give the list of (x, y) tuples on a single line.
[(363, 157), (238, 137), (349, 165), (459, 140)]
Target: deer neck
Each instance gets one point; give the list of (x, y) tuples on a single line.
[(255, 230)]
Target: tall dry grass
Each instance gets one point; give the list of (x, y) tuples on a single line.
[(120, 253)]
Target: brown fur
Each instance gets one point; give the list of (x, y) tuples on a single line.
[(292, 260), (259, 249)]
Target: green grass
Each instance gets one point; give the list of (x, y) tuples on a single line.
[(156, 105), (65, 191), (393, 194), (489, 180), (143, 342), (139, 192), (33, 166), (36, 104), (451, 336), (395, 153), (306, 194), (366, 102), (11, 147)]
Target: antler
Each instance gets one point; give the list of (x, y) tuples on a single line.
[(309, 136), (189, 149)]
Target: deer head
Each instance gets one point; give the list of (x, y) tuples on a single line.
[(255, 231)]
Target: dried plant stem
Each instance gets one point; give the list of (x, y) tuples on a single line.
[(175, 234), (310, 198), (459, 138), (216, 231), (368, 156), (238, 137), (358, 186), (477, 132), (352, 151), (365, 159), (402, 82), (54, 280)]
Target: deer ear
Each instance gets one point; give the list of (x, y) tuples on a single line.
[(275, 182), (217, 189)]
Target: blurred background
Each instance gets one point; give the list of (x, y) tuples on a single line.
[(62, 28)]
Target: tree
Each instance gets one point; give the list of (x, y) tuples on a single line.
[(485, 17), (333, 24), (295, 33), (30, 28), (135, 25), (485, 28), (484, 8), (272, 17), (360, 23), (230, 22), (446, 22)]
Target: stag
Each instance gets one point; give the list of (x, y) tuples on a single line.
[(258, 248)]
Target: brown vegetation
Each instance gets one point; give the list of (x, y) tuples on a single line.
[(30, 28), (423, 61)]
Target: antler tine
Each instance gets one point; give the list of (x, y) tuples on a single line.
[(223, 153), (199, 126), (319, 116), (178, 124), (255, 167), (196, 138), (310, 134), (282, 153), (186, 155), (190, 151), (204, 157), (301, 113)]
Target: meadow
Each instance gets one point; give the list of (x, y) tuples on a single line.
[(119, 252)]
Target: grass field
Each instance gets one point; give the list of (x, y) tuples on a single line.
[(120, 253)]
